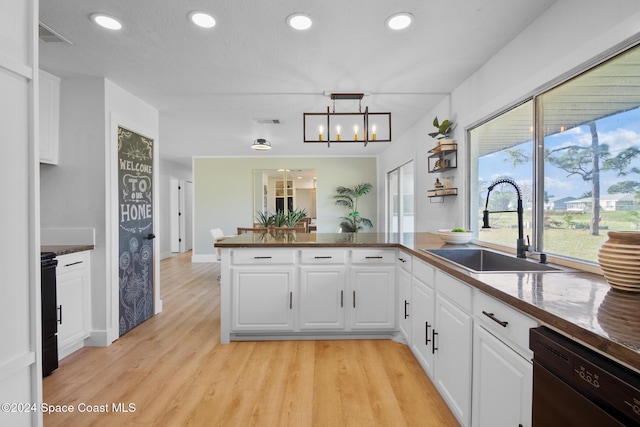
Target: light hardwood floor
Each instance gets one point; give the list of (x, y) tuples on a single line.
[(175, 372)]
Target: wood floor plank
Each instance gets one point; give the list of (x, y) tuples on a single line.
[(176, 373)]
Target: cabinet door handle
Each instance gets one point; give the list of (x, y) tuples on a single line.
[(290, 299), (60, 311), (406, 304), (433, 338), (73, 263), (373, 257), (341, 299), (402, 260), (322, 257), (261, 257), (426, 334), (495, 319), (354, 299)]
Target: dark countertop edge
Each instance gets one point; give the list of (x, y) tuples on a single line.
[(66, 249), (609, 347)]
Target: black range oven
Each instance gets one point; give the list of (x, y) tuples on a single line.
[(48, 263)]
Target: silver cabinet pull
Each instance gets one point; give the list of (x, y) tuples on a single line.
[(498, 321), (341, 299), (354, 299), (374, 257), (290, 300), (261, 257), (323, 257), (433, 344), (406, 304)]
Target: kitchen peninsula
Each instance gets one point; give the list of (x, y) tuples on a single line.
[(580, 305)]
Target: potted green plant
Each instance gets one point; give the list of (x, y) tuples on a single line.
[(265, 219), (348, 197), (294, 216), (443, 133), (444, 129)]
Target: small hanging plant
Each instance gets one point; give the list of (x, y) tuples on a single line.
[(444, 129)]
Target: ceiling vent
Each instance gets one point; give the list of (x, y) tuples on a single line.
[(267, 121), (47, 35)]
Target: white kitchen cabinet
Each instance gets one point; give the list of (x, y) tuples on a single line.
[(502, 383), (373, 290), (404, 263), (322, 292), (423, 317), (322, 289), (73, 284), (49, 111), (502, 368), (262, 298), (453, 346), (442, 330)]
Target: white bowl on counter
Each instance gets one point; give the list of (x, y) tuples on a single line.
[(456, 238)]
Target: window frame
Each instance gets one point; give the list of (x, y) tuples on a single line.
[(538, 156)]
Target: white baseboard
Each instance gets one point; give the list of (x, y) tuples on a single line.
[(204, 258)]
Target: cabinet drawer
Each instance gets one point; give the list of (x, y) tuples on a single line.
[(320, 256), (423, 272), (72, 262), (460, 293), (405, 261), (262, 256), (514, 329), (373, 256)]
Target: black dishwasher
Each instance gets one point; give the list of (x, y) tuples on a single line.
[(48, 263), (575, 386)]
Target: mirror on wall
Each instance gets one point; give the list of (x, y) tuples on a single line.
[(284, 190)]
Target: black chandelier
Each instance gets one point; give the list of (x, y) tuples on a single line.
[(346, 127)]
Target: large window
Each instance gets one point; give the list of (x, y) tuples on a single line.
[(582, 176), (400, 212)]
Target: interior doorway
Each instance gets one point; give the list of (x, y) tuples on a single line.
[(181, 196)]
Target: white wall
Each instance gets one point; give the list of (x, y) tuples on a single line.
[(81, 191), (568, 35), (169, 171), (20, 351), (223, 193)]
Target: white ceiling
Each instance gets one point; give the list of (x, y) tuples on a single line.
[(211, 85)]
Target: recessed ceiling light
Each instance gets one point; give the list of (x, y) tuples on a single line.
[(299, 21), (399, 21), (106, 21), (202, 19)]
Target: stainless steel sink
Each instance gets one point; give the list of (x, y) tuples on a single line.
[(483, 260)]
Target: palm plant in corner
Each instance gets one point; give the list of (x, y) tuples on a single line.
[(348, 197)]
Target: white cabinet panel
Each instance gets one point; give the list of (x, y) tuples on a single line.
[(502, 383), (453, 346), (423, 317), (49, 110), (322, 291), (373, 297), (73, 283), (262, 299)]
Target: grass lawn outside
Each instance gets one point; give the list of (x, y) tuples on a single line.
[(566, 236)]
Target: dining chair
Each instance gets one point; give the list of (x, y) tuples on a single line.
[(245, 230)]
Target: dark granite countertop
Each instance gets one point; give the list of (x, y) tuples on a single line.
[(65, 249), (580, 304)]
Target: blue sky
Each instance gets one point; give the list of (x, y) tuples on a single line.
[(619, 132)]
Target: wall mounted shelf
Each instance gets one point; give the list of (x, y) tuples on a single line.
[(443, 158)]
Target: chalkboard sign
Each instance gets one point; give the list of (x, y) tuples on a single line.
[(135, 218)]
